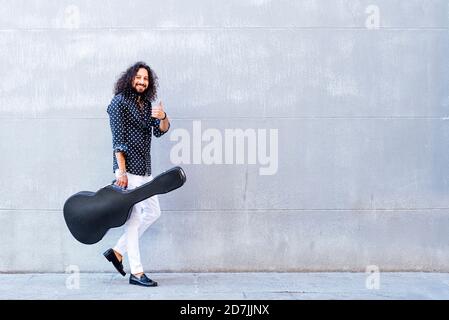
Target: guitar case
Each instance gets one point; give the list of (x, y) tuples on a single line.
[(89, 215)]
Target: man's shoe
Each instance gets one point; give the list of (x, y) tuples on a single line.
[(142, 281), (110, 255)]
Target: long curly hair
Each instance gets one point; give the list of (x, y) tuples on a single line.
[(124, 83)]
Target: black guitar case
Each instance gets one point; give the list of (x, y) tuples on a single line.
[(89, 215)]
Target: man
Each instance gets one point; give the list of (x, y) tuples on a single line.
[(133, 121)]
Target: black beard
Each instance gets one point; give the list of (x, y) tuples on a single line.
[(140, 93)]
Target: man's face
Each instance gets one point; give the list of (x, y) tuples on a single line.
[(140, 81)]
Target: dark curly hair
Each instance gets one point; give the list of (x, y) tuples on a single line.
[(124, 83)]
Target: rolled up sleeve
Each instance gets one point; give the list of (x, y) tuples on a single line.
[(117, 123), (157, 132)]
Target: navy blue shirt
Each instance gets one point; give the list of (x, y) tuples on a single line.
[(132, 129)]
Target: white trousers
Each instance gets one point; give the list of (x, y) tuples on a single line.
[(143, 215)]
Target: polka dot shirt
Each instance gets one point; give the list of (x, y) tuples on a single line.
[(131, 132)]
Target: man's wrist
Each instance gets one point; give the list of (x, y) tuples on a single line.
[(121, 173)]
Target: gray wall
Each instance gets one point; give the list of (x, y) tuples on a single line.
[(362, 117)]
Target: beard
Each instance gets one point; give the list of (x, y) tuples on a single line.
[(140, 93)]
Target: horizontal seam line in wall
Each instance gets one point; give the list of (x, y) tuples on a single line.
[(258, 210), (224, 28), (252, 118)]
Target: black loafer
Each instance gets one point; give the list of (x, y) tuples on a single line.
[(110, 255), (142, 281)]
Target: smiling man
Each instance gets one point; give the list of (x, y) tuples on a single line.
[(133, 122)]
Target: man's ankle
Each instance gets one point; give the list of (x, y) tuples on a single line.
[(118, 255)]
